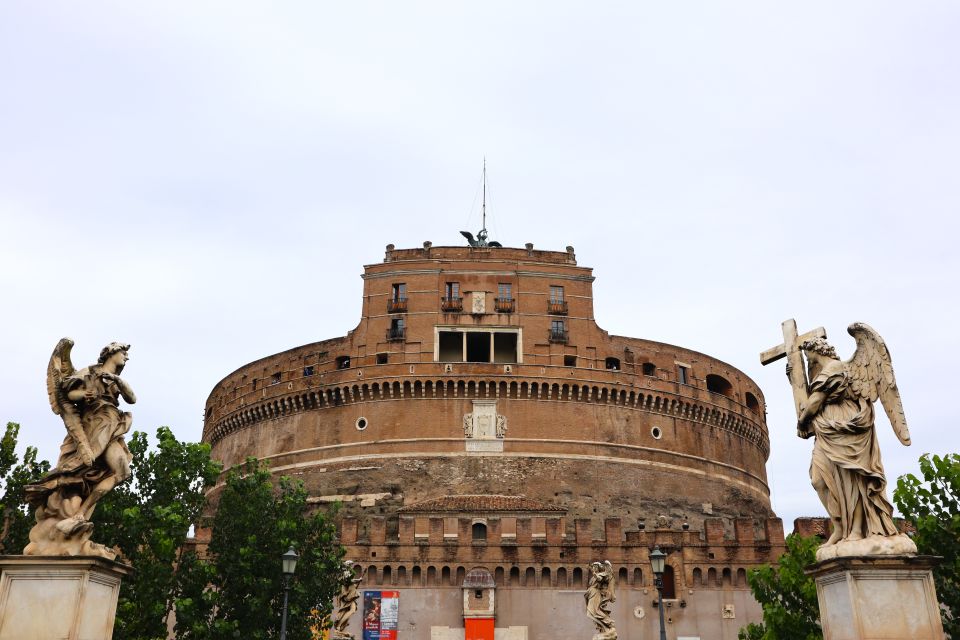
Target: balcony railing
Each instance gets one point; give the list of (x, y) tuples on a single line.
[(396, 334), (558, 335), (557, 307), (397, 305), (504, 305), (451, 304)]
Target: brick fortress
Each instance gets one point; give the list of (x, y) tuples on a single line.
[(488, 440)]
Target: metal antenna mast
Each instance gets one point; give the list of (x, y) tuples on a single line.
[(481, 239)]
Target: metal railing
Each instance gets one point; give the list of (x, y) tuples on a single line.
[(397, 305), (504, 305), (395, 334), (451, 304), (558, 335), (557, 307)]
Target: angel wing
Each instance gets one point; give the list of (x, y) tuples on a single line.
[(871, 375), (612, 588), (58, 370)]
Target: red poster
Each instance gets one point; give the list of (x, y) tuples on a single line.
[(381, 614)]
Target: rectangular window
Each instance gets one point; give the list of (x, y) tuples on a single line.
[(508, 527), (399, 291), (478, 346), (254, 384), (308, 371), (275, 378), (556, 294), (451, 346), (504, 347), (569, 361), (505, 291), (557, 326), (451, 290), (682, 374), (382, 358)]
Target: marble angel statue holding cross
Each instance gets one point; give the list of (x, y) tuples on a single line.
[(835, 405)]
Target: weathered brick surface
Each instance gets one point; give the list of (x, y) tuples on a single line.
[(600, 450)]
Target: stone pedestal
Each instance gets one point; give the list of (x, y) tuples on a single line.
[(62, 597), (878, 598)]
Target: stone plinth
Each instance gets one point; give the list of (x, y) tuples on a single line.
[(63, 597), (878, 598)]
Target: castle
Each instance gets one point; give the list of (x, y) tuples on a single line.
[(488, 440)]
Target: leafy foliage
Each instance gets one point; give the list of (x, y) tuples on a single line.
[(933, 506), (787, 595), (238, 592), (14, 474), (147, 519)]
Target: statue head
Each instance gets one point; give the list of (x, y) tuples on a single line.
[(111, 350), (820, 347)]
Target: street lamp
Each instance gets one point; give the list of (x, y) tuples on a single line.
[(657, 560), (289, 567)]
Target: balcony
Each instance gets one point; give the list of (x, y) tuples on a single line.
[(557, 307), (451, 305), (558, 335), (505, 305), (397, 305), (396, 334)]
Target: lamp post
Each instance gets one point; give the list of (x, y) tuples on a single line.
[(657, 559), (289, 567)]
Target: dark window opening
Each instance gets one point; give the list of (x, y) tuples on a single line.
[(450, 347), (343, 362), (682, 374), (752, 403), (669, 585), (478, 593), (382, 358), (396, 330), (452, 290), (569, 361), (649, 369), (504, 347), (556, 294), (479, 531), (275, 378), (399, 291), (558, 331), (308, 371), (208, 413), (254, 384), (478, 347), (719, 384), (613, 364)]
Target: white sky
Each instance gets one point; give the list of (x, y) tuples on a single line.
[(206, 180)]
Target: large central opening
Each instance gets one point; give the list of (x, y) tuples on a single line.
[(497, 346), (478, 346)]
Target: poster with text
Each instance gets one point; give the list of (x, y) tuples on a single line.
[(381, 614)]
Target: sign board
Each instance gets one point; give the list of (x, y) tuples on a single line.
[(381, 613)]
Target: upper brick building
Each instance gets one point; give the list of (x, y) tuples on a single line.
[(478, 406)]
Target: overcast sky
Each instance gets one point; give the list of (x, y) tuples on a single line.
[(206, 180)]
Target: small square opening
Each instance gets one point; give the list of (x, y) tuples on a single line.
[(569, 361), (382, 358)]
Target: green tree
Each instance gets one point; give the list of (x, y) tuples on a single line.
[(14, 474), (933, 506), (787, 595), (238, 591), (147, 519)]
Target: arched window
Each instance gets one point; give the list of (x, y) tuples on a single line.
[(622, 576), (719, 384), (741, 577), (613, 364), (530, 577), (445, 575), (752, 403), (649, 369), (545, 577), (498, 576), (637, 577), (697, 577), (577, 577), (514, 576), (479, 532)]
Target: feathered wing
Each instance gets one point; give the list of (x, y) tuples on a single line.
[(613, 581), (59, 369), (871, 375)]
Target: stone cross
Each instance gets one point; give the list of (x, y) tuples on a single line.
[(790, 349)]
